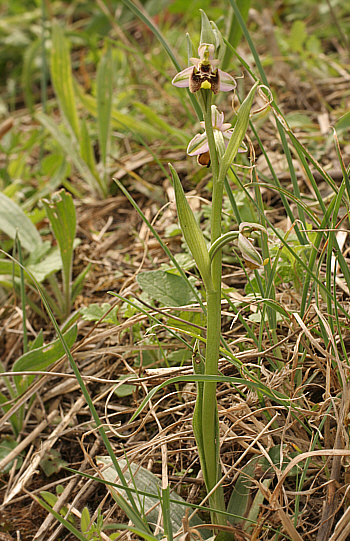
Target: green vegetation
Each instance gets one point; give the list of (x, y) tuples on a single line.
[(183, 369)]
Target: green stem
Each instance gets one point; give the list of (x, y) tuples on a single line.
[(210, 429), (23, 298)]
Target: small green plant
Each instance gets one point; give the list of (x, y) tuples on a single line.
[(42, 259), (61, 214)]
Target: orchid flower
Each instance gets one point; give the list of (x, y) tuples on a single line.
[(204, 73), (199, 144)]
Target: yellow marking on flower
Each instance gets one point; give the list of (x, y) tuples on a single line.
[(206, 85)]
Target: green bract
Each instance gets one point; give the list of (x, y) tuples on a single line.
[(191, 231)]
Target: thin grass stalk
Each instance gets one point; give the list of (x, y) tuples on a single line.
[(235, 31), (43, 75), (232, 200), (329, 259), (57, 307), (302, 479), (333, 245), (338, 325), (313, 256), (23, 296)]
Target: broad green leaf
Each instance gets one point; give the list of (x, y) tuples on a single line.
[(61, 213), (7, 266), (69, 524), (12, 219), (69, 150), (7, 445), (50, 498), (85, 520), (41, 358), (125, 389), (239, 132), (169, 289), (298, 36), (104, 88), (94, 312), (193, 318), (240, 500), (61, 74), (41, 268), (38, 342), (145, 481), (52, 462)]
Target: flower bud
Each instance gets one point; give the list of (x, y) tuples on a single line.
[(251, 256), (207, 33)]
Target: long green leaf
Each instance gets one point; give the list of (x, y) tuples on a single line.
[(235, 31), (256, 385), (62, 79), (164, 246), (61, 213)]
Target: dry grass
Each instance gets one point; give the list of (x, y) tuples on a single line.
[(119, 246)]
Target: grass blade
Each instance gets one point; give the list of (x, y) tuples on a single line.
[(104, 86)]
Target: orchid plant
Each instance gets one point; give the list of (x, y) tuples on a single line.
[(217, 147)]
